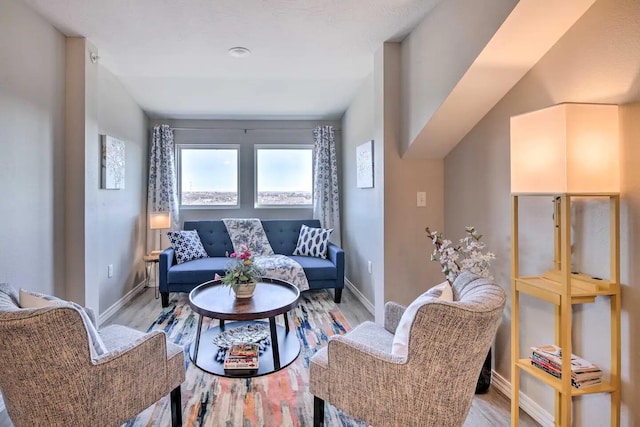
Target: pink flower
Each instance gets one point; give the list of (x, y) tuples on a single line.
[(217, 277), (233, 255)]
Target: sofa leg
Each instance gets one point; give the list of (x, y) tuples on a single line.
[(176, 407), (318, 412), (338, 295), (165, 298)]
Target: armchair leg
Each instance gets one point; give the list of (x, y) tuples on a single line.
[(165, 298), (176, 407), (318, 412), (338, 295)]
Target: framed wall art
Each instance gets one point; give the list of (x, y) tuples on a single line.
[(364, 165), (112, 163)]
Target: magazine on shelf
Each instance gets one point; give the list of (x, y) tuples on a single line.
[(549, 359), (242, 359), (243, 350), (552, 354)]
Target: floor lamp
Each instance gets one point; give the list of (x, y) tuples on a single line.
[(159, 221)]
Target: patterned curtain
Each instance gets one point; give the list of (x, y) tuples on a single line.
[(162, 194), (326, 197)]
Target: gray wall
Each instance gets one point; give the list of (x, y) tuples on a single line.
[(383, 224), (257, 132), (122, 224), (439, 51), (32, 77), (60, 229), (598, 61)]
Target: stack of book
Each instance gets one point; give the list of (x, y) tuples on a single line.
[(549, 359), (242, 359)]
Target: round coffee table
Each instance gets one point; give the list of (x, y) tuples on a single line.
[(271, 298)]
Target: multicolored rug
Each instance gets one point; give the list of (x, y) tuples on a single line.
[(279, 399)]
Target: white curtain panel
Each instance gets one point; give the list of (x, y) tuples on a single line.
[(162, 195), (326, 196)]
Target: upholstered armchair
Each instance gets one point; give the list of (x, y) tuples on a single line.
[(48, 375), (434, 384)]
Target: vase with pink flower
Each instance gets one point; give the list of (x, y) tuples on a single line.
[(241, 274)]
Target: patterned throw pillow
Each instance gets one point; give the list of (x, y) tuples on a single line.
[(187, 245), (30, 299), (400, 345), (313, 242)]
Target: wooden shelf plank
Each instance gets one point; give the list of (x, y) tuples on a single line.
[(525, 365), (551, 291)]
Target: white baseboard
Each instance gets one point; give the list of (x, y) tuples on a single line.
[(360, 296), (106, 315), (527, 404), (1, 403)]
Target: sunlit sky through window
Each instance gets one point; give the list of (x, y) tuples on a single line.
[(209, 170), (216, 170), (284, 170)]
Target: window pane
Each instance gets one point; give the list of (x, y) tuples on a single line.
[(284, 176), (209, 177)]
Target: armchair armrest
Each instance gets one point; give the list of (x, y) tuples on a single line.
[(149, 345), (344, 347), (336, 255), (166, 260), (140, 366), (392, 314)]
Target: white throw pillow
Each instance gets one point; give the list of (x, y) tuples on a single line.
[(400, 346), (30, 299), (187, 245), (313, 241)]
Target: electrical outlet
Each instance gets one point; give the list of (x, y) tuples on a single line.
[(369, 267), (421, 199), (110, 270)]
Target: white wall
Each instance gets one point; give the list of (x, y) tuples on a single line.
[(32, 142), (598, 60)]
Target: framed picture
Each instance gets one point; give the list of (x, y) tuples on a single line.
[(364, 165), (112, 163)]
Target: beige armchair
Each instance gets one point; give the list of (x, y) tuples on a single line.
[(434, 384), (47, 375)]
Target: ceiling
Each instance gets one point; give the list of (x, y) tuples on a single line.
[(308, 59)]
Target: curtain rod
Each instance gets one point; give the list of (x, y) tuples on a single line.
[(242, 129)]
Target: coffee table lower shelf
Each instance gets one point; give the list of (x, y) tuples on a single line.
[(288, 346)]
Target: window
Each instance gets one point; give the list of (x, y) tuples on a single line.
[(283, 175), (208, 175)]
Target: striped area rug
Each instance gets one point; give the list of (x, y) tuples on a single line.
[(279, 399)]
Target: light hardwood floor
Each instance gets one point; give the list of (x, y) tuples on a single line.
[(488, 410)]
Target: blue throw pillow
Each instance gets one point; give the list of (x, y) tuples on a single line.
[(187, 245), (313, 242)]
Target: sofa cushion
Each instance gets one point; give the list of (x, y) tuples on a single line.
[(187, 245), (30, 299), (442, 292), (198, 271), (213, 235), (283, 233), (313, 241), (316, 268)]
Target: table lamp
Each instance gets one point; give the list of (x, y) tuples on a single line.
[(565, 149), (159, 221)]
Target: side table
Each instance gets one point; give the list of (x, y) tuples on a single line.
[(151, 260)]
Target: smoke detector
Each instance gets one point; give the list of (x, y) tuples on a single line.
[(239, 52)]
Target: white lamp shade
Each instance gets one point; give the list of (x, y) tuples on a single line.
[(566, 148), (158, 220)]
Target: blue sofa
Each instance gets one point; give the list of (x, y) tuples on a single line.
[(283, 237)]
